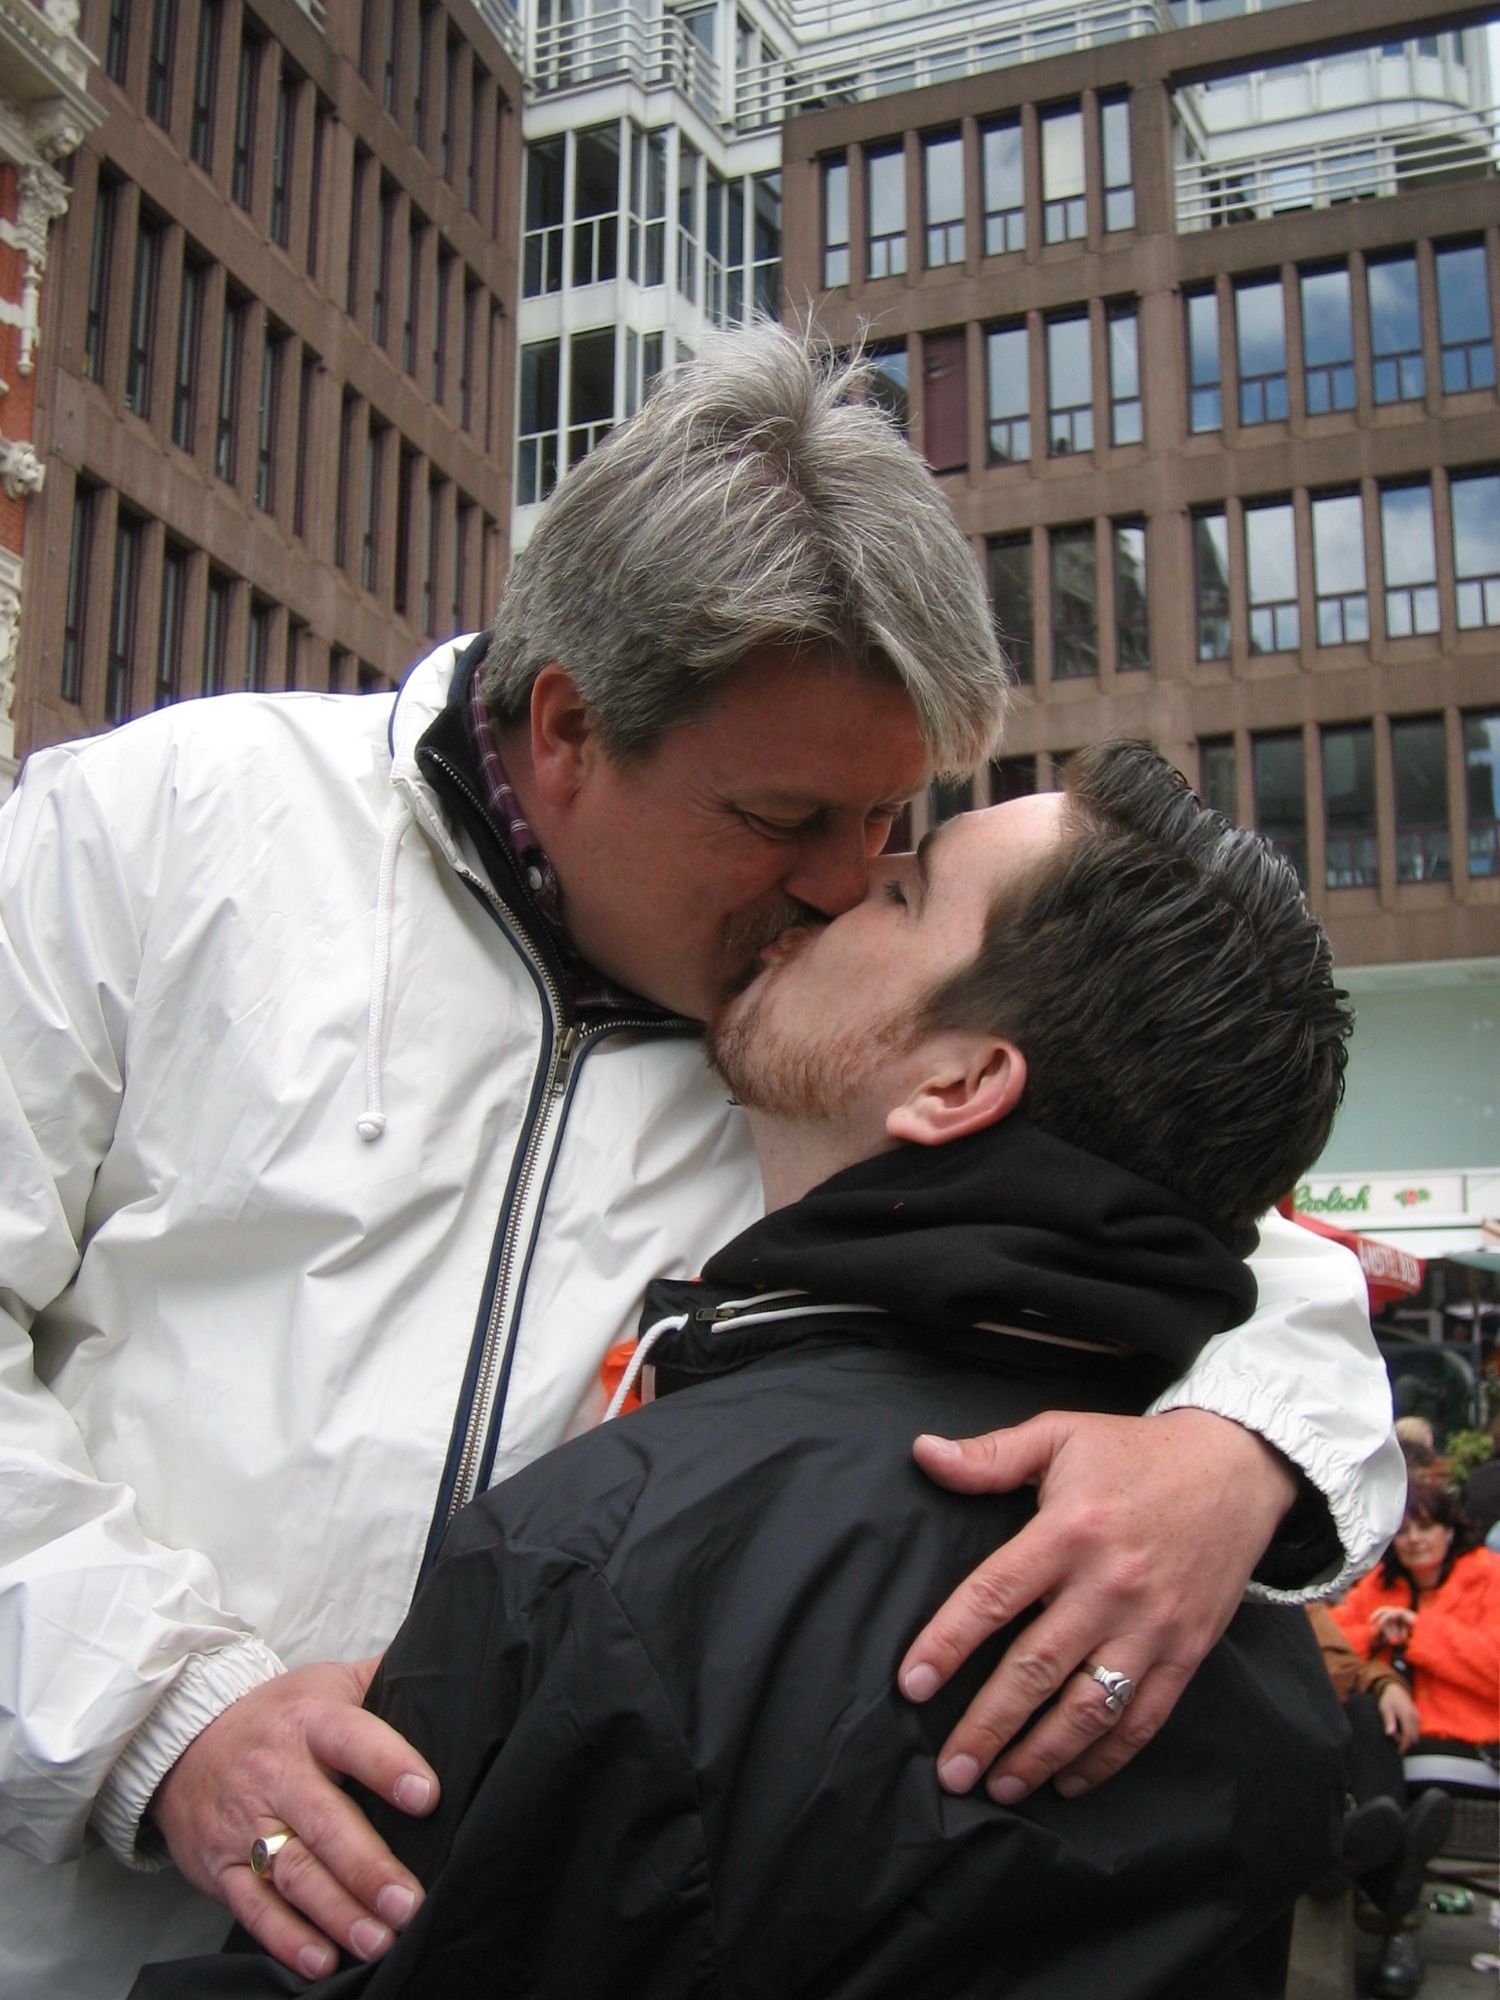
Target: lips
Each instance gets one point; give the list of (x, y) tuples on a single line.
[(785, 945)]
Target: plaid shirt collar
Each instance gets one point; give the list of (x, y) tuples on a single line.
[(585, 986)]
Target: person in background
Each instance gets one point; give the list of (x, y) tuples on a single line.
[(1482, 1490)]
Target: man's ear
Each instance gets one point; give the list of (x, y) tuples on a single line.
[(975, 1082), (562, 741)]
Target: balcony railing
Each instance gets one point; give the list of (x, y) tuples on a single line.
[(621, 42), (504, 23), (1458, 146)]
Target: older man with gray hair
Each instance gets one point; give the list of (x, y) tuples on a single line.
[(350, 1095)]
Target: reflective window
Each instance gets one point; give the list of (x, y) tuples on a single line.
[(943, 193), (1004, 196), (1260, 341), (945, 401), (1008, 394), (142, 317), (1011, 778), (885, 195), (1211, 584), (1476, 549), (542, 254), (1075, 603), (1216, 781), (890, 382), (1280, 802), (1419, 768), (537, 436), (1062, 175), (1327, 341), (647, 250), (947, 798), (835, 223), (1351, 851), (1008, 559), (596, 205), (1409, 557), (1339, 569), (1205, 401), (1070, 412), (1395, 329), (1114, 136), (1464, 318), (591, 390), (1271, 575), (1124, 375), (1482, 791), (119, 667), (1132, 644)]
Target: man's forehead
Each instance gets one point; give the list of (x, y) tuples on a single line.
[(993, 839)]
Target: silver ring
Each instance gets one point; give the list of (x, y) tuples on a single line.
[(265, 1850), (1118, 1688)]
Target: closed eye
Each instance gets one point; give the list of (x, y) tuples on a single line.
[(893, 892)]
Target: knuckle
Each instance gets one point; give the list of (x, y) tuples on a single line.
[(990, 1600), (1035, 1670)]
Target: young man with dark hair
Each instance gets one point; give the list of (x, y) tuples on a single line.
[(1015, 1113)]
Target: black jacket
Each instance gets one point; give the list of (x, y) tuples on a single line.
[(655, 1671)]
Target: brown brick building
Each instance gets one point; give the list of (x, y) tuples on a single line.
[(277, 415)]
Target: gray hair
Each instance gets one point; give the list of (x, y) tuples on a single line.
[(758, 499)]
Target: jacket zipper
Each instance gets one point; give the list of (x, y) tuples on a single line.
[(539, 1144)]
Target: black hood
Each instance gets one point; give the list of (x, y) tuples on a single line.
[(1008, 1225)]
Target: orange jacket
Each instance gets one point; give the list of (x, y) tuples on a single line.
[(1454, 1649)]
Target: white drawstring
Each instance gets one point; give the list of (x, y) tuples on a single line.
[(637, 1360), (371, 1123)]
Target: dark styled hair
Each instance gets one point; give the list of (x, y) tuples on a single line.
[(1430, 1502), (1170, 989)]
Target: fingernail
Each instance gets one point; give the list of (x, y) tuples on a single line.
[(396, 1903), (958, 1774), (314, 1961), (367, 1939), (920, 1683), (1071, 1788), (1007, 1791), (412, 1792), (944, 1447)]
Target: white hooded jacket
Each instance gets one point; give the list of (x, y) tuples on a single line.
[(285, 1098)]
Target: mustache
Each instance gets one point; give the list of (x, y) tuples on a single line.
[(747, 934)]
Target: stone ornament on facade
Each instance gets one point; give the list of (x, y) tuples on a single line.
[(21, 471)]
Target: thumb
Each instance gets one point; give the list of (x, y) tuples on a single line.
[(995, 1462), (362, 1672)]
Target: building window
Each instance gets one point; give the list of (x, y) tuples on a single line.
[(945, 401), (1075, 603), (468, 341), (258, 644), (1132, 639), (765, 244), (229, 386), (385, 226), (479, 97), (1395, 329), (1008, 559), (1008, 394), (1260, 336), (543, 249), (1070, 391), (425, 16), (1338, 524), (1409, 556), (648, 207), (1476, 549), (947, 798), (1063, 214), (1114, 137), (407, 471), (416, 243), (101, 250), (120, 666), (1419, 768), (159, 63), (117, 40), (169, 629), (1211, 584), (889, 383), (241, 179), (281, 158), (1122, 326), (189, 331), (537, 442), (369, 520), (80, 548), (1011, 778), (1327, 341), (216, 631), (1482, 791), (450, 107), (305, 388), (596, 205), (943, 191), (463, 537), (205, 86), (440, 327), (1205, 400), (1004, 189), (591, 391), (357, 185), (1351, 855), (1216, 778), (688, 160), (885, 199), (1271, 573), (348, 428), (1464, 318), (142, 317), (1280, 800), (392, 64), (273, 355)]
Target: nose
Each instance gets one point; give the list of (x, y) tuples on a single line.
[(831, 869)]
